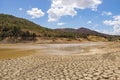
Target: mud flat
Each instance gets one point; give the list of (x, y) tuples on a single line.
[(81, 62)]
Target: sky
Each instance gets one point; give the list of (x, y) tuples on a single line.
[(99, 15)]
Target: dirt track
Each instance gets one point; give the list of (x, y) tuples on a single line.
[(104, 64)]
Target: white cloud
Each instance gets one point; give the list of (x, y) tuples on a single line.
[(95, 26), (117, 17), (106, 13), (20, 9), (104, 31), (60, 24), (108, 32), (115, 23), (35, 13), (61, 8), (89, 22)]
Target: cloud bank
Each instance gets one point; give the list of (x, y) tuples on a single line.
[(115, 23), (61, 8)]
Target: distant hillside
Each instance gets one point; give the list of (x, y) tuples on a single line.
[(66, 30), (88, 32), (14, 27), (83, 31), (26, 25)]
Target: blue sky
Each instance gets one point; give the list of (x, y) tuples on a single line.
[(100, 15)]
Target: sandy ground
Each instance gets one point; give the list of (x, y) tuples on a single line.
[(84, 61)]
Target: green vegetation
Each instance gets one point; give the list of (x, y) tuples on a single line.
[(16, 33), (16, 28), (17, 25), (25, 25)]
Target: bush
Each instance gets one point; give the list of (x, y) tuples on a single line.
[(15, 33)]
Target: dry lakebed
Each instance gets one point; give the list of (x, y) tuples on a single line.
[(78, 61)]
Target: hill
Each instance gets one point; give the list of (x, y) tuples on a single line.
[(25, 25), (19, 28), (83, 31), (10, 21), (87, 32)]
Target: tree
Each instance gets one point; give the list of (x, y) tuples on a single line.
[(15, 31), (33, 36)]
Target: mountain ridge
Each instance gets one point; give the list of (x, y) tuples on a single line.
[(82, 30)]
